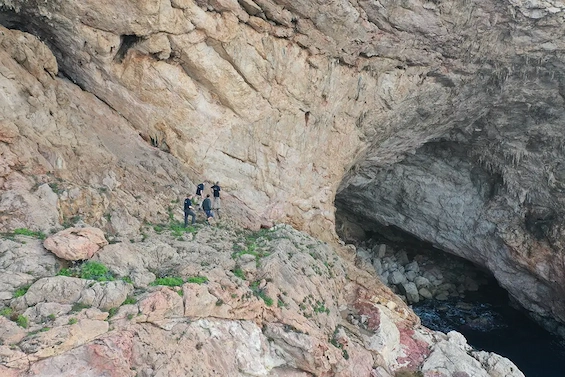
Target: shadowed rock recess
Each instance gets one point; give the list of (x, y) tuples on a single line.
[(441, 118)]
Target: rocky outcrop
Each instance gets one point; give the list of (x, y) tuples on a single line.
[(297, 307)]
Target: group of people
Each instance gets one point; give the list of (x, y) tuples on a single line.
[(206, 205)]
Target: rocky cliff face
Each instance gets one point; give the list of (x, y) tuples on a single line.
[(441, 118)]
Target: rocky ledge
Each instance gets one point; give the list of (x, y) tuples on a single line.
[(209, 301)]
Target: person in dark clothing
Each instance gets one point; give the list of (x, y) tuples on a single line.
[(199, 191), (207, 207), (216, 205), (188, 211)]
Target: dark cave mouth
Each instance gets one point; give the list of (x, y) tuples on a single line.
[(462, 297)]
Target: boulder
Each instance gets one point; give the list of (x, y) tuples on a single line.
[(10, 332), (76, 243), (410, 290)]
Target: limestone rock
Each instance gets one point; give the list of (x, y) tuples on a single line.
[(455, 348), (76, 243), (58, 289), (410, 290), (160, 305), (61, 339), (105, 295), (10, 333), (68, 290)]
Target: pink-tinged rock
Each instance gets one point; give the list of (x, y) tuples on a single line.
[(10, 333), (161, 304), (76, 243), (8, 372), (107, 356), (415, 350)]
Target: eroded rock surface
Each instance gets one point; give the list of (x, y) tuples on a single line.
[(440, 118), (303, 309), (283, 102)]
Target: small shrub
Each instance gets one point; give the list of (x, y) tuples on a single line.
[(127, 279), (21, 291), (170, 281), (112, 312), (261, 293), (51, 317), (268, 301), (180, 292), (72, 321), (130, 316), (197, 279), (321, 308), (6, 312), (78, 306), (65, 272), (219, 302), (239, 273), (130, 301), (95, 271), (22, 321)]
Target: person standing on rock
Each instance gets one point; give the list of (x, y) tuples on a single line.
[(188, 211), (216, 203), (207, 207), (199, 191)]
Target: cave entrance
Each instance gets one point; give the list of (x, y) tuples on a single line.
[(450, 293), (412, 268)]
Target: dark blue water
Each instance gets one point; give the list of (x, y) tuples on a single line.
[(489, 323)]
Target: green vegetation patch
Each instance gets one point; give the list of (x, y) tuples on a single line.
[(260, 292), (72, 321), (22, 321), (239, 273), (78, 306), (95, 271), (112, 312), (29, 233), (335, 343), (176, 228), (130, 301), (169, 281), (197, 279), (21, 291), (90, 270), (7, 312)]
